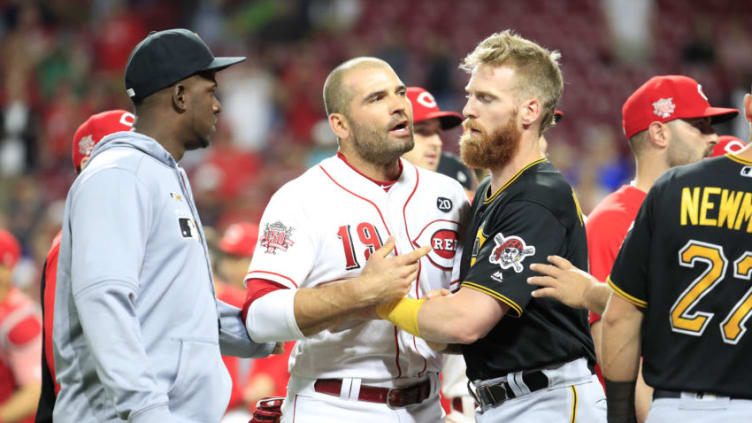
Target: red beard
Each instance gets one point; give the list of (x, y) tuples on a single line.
[(490, 151)]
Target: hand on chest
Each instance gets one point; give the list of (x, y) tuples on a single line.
[(352, 240)]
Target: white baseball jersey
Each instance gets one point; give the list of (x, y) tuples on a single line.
[(323, 226)]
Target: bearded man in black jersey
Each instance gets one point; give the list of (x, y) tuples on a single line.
[(529, 359)]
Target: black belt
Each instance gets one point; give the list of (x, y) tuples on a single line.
[(495, 394), (661, 393)]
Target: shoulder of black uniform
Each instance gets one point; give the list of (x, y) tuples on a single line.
[(544, 184), (692, 170)]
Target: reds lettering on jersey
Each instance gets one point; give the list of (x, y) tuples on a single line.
[(323, 227)]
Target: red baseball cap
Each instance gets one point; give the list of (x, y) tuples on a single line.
[(97, 127), (558, 114), (425, 107), (665, 98), (10, 249), (727, 144), (239, 239)]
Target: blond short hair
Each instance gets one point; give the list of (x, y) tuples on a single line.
[(537, 68)]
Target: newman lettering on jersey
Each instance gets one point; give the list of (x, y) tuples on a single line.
[(713, 206)]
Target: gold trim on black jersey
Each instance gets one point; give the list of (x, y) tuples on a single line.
[(738, 159), (512, 305), (509, 182), (618, 291), (577, 206)]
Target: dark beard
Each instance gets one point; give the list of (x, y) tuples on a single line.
[(374, 147), (201, 142), (491, 151)]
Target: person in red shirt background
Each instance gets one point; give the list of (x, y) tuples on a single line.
[(252, 379), (668, 122), (84, 139), (20, 341)]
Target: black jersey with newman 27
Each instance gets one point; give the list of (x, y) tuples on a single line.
[(534, 215), (687, 263)]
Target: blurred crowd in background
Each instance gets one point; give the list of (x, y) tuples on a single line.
[(62, 60)]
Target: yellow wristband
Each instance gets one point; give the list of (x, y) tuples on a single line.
[(402, 313)]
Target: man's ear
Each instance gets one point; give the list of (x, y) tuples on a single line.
[(340, 126), (659, 134), (530, 111), (177, 92)]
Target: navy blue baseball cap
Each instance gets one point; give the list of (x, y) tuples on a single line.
[(166, 57)]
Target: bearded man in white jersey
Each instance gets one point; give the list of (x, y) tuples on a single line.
[(364, 218)]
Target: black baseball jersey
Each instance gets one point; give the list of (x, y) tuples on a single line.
[(687, 264), (532, 216)]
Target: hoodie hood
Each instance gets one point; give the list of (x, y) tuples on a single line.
[(141, 142)]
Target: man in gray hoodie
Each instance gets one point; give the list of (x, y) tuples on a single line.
[(138, 332)]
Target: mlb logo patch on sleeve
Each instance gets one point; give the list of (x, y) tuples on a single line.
[(188, 228)]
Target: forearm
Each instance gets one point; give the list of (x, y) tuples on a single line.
[(620, 359), (620, 345), (21, 403), (596, 297), (320, 308), (596, 331), (620, 349), (420, 318), (643, 397), (440, 322), (461, 318)]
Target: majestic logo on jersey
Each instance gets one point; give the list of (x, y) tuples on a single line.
[(510, 252), (664, 107), (498, 276), (86, 145), (444, 204), (277, 236)]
